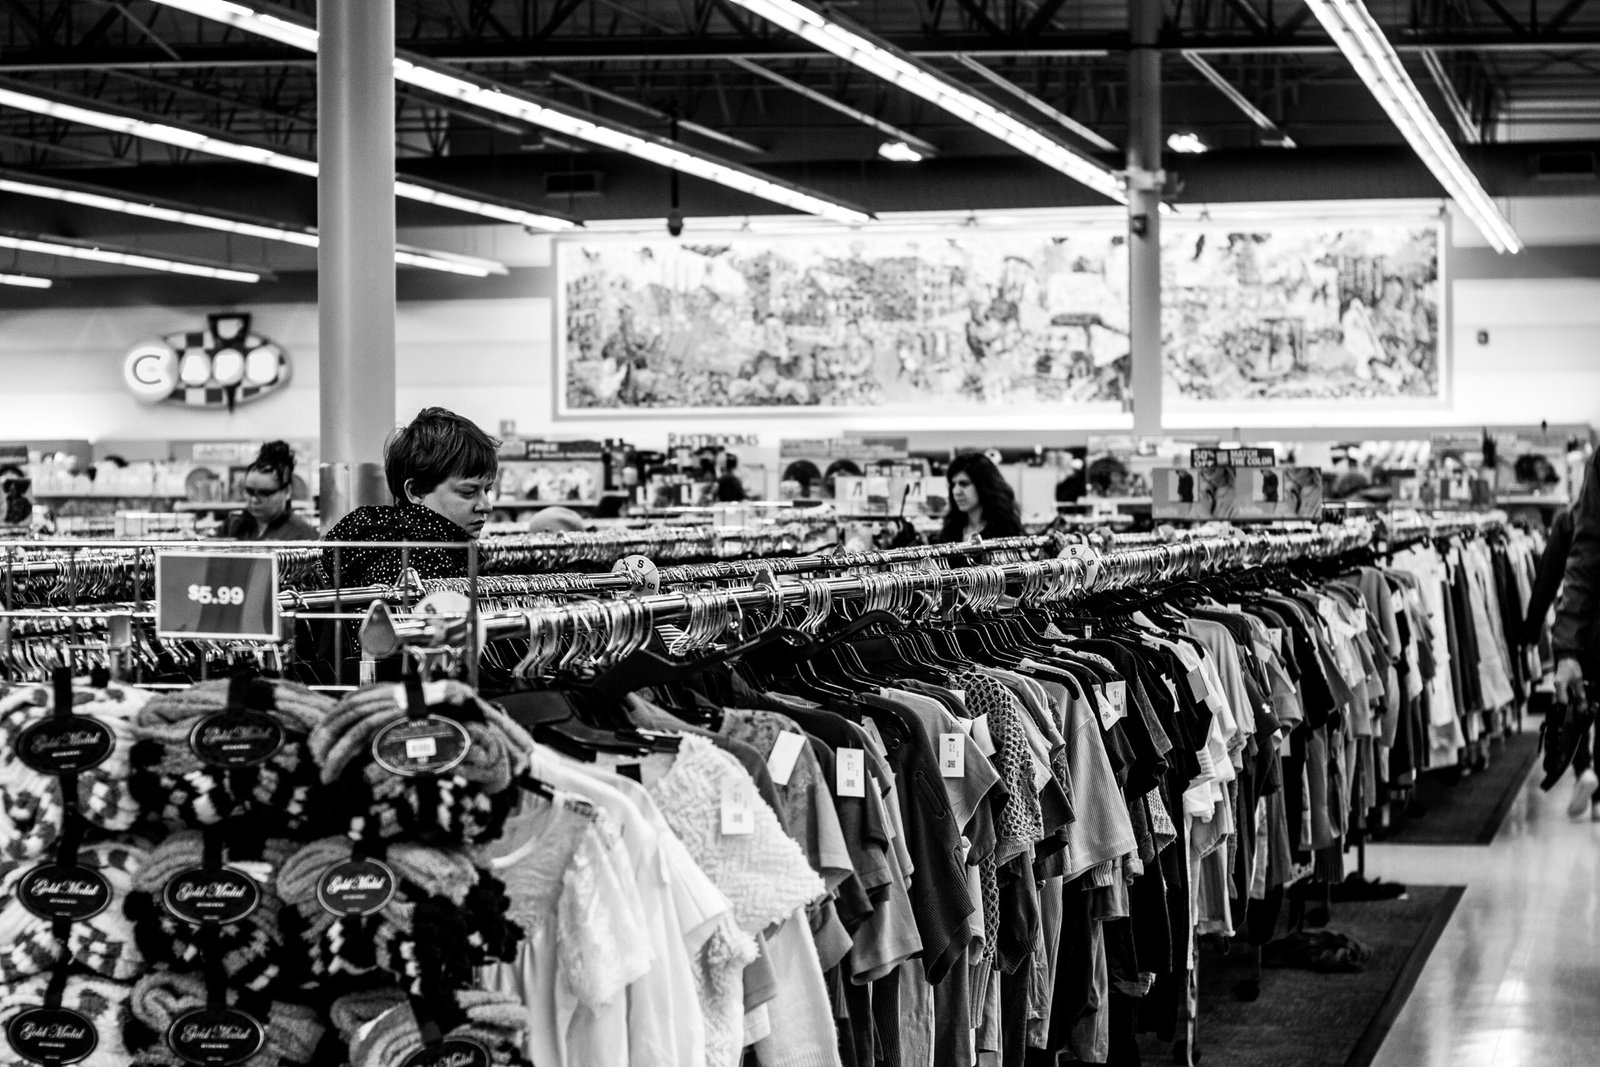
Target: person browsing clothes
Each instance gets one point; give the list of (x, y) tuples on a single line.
[(440, 469), (1560, 747), (1574, 633), (981, 501), (268, 488)]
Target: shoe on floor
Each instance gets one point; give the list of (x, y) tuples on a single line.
[(1582, 793)]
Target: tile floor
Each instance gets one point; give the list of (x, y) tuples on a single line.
[(1515, 979)]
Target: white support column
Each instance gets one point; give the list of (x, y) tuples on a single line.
[(355, 262)]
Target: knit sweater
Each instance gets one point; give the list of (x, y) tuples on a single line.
[(763, 873)]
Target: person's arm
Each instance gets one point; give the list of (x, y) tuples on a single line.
[(1580, 590), (1547, 576)]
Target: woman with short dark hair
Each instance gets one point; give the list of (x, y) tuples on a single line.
[(981, 501), (440, 468)]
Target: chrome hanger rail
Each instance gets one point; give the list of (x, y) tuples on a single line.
[(601, 632)]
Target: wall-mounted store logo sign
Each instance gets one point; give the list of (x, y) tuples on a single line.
[(221, 366)]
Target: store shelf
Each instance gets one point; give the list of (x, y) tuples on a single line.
[(531, 505), (40, 495)]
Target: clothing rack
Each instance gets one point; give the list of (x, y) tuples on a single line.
[(605, 631), (1409, 528), (624, 581)]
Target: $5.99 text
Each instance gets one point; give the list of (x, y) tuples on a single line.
[(222, 594)]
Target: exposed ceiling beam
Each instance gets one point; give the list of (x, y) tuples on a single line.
[(1452, 99), (837, 105), (707, 132), (1240, 101), (1060, 117), (685, 49)]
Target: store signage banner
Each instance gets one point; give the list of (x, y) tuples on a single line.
[(217, 595), (219, 367), (1305, 315), (1204, 494)]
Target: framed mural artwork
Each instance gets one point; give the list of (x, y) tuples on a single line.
[(826, 324), (1021, 322), (1308, 316)]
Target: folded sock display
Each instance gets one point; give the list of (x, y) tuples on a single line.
[(499, 745), (468, 804), (103, 1002), (447, 917), (380, 1029), (172, 784), (251, 949), (31, 803), (104, 943), (293, 1030)]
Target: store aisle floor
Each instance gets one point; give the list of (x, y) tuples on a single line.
[(1514, 979)]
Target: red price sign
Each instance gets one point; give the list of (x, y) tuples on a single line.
[(219, 595)]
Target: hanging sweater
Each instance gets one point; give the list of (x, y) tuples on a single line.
[(763, 873)]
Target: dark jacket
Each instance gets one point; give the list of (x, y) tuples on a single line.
[(1547, 576), (997, 526), (242, 526), (398, 522), (1580, 590)]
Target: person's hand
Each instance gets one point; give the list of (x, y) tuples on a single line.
[(1569, 681)]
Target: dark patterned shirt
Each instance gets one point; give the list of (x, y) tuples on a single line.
[(402, 522)]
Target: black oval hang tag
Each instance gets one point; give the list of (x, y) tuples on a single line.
[(429, 745), (451, 1052), (237, 737), (64, 891), (355, 887), (216, 1037), (52, 1036), (211, 895), (66, 744)]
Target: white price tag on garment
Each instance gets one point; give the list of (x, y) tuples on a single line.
[(852, 773), (738, 817), (1277, 641), (785, 753), (1117, 693), (960, 694), (421, 747), (953, 755), (1102, 704)]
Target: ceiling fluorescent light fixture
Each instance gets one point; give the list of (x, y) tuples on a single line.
[(197, 141), (26, 281), (1188, 143), (305, 238), (106, 200), (482, 93), (899, 152), (128, 257), (1362, 41), (898, 68)]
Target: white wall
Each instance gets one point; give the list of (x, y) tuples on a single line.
[(490, 359), (62, 369)]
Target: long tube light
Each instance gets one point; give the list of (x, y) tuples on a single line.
[(166, 211), (898, 68), (1218, 81), (1362, 41), (1000, 81), (128, 257), (198, 141), (26, 281), (490, 96)]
